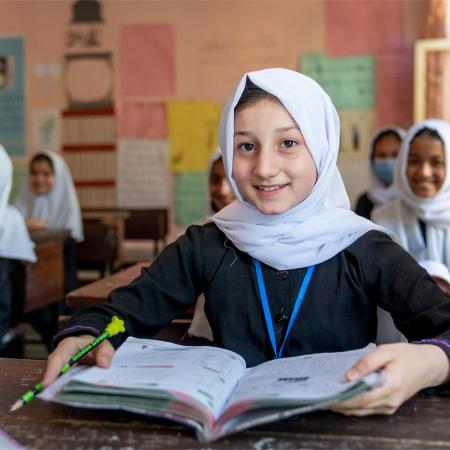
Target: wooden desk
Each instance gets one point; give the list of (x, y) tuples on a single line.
[(422, 423), (98, 291), (42, 283)]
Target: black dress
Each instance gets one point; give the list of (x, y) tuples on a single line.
[(364, 206), (339, 311)]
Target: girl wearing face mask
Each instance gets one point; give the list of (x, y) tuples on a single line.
[(383, 151)]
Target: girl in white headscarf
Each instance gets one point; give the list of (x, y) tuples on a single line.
[(47, 199), (15, 243), (383, 150), (288, 269), (420, 216)]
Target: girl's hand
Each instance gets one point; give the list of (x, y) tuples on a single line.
[(36, 224), (100, 355), (407, 368)]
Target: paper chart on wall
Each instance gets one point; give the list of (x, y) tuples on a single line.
[(142, 179), (147, 60), (356, 129), (142, 120), (46, 129), (189, 197), (355, 27), (19, 174), (349, 81), (12, 95), (192, 133)]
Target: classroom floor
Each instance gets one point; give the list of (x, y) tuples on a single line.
[(33, 345)]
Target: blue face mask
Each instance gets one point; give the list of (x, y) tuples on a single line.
[(384, 170)]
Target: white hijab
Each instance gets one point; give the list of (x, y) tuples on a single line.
[(378, 193), (60, 207), (15, 243), (401, 215), (321, 225)]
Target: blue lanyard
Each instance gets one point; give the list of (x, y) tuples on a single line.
[(266, 309)]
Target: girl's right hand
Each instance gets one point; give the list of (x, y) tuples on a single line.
[(100, 355), (36, 224)]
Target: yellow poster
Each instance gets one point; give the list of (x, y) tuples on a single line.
[(193, 134)]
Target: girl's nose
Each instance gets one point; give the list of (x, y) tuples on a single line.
[(266, 164), (224, 188), (426, 170)]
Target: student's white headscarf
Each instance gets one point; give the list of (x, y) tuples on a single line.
[(402, 214), (378, 193), (15, 243), (322, 224), (60, 207)]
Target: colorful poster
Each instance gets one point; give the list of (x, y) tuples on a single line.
[(12, 95), (142, 178), (193, 134), (189, 197), (356, 129), (142, 120), (356, 27), (147, 60), (46, 129), (395, 88), (349, 81)]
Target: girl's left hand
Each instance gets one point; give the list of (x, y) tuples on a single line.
[(407, 368)]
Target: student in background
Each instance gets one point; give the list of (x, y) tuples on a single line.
[(290, 240), (15, 243), (47, 199), (383, 150), (219, 195), (420, 215)]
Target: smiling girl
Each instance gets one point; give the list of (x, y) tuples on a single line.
[(288, 269)]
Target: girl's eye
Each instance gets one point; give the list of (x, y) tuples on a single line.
[(247, 146), (289, 143)]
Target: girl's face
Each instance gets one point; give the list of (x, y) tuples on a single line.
[(219, 189), (42, 177), (426, 166), (272, 167), (387, 147)]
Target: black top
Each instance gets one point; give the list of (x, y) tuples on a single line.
[(364, 206), (337, 314)]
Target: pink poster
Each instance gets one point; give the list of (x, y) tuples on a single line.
[(394, 81), (147, 60), (360, 27), (142, 120)]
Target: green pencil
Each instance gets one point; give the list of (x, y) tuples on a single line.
[(114, 327)]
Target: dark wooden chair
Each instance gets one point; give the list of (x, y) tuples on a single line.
[(147, 224), (99, 249)]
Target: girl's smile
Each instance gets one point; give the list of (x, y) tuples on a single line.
[(272, 167)]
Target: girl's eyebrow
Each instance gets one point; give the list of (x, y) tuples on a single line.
[(277, 130)]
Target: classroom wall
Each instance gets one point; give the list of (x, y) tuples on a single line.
[(216, 41)]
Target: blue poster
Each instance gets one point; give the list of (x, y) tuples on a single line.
[(12, 95)]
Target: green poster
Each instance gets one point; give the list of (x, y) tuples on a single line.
[(349, 81), (189, 197)]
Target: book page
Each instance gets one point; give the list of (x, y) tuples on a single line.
[(307, 378), (206, 374)]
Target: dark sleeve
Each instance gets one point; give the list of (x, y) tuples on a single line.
[(364, 206), (160, 294), (398, 284)]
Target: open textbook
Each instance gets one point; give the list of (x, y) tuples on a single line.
[(209, 388)]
